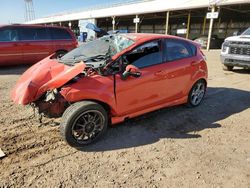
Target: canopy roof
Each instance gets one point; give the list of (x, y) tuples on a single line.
[(138, 7)]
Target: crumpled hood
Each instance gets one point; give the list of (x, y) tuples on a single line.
[(45, 75)]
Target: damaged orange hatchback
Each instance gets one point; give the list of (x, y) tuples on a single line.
[(111, 79)]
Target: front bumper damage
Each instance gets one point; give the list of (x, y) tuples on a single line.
[(51, 105), (41, 85)]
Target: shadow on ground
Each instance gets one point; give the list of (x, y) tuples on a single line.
[(176, 122), (241, 71)]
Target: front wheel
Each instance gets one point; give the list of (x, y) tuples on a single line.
[(83, 123), (227, 67), (197, 93)]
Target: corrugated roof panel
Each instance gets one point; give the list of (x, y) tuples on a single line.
[(137, 8)]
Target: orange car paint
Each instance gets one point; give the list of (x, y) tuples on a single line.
[(46, 75), (159, 86)]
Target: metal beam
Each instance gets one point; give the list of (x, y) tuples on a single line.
[(204, 25), (210, 29), (113, 22), (167, 22), (188, 25), (136, 25)]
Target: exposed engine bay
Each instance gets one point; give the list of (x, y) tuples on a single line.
[(43, 85), (93, 55)]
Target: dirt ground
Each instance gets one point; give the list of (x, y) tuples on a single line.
[(208, 146)]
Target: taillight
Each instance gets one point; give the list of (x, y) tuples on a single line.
[(76, 44)]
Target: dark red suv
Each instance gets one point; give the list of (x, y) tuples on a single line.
[(28, 44)]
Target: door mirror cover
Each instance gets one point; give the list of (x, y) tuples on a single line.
[(130, 70)]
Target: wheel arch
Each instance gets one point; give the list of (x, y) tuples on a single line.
[(198, 79), (61, 50), (193, 81), (106, 106)]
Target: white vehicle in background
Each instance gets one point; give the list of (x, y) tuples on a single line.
[(235, 51)]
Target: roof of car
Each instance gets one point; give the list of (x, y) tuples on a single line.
[(143, 37), (139, 36)]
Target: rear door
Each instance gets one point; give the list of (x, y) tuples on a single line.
[(36, 43), (180, 61), (10, 48), (62, 39)]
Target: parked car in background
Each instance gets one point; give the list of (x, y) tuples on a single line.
[(235, 51), (28, 44), (215, 42), (111, 79)]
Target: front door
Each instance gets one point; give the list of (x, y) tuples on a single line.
[(135, 94)]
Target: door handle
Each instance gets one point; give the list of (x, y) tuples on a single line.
[(160, 73)]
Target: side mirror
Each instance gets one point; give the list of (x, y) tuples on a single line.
[(130, 70)]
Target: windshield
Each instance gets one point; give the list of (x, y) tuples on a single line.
[(247, 32), (102, 48)]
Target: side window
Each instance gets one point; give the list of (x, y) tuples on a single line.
[(42, 34), (194, 49), (8, 35), (34, 34), (146, 55), (178, 49), (60, 34)]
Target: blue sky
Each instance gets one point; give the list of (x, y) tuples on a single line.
[(13, 11)]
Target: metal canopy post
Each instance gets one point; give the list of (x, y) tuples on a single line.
[(204, 25), (167, 21), (113, 22), (136, 24), (188, 25), (210, 28)]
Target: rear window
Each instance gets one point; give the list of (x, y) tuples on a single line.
[(193, 48), (178, 49), (60, 34), (8, 35), (34, 34)]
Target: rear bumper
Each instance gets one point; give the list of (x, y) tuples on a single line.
[(235, 60)]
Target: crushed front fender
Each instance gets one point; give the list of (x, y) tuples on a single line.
[(46, 75)]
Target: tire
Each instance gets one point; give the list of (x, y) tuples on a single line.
[(228, 67), (60, 53), (81, 120), (197, 91)]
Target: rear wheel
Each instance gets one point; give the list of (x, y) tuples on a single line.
[(228, 67), (197, 93), (60, 53), (83, 123)]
